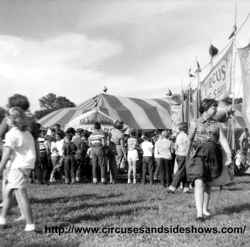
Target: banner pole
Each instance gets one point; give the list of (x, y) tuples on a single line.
[(233, 75)]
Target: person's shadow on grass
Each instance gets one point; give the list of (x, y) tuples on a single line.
[(65, 199), (98, 217), (235, 209)]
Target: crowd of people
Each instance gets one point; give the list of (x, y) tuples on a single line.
[(106, 156), (33, 154)]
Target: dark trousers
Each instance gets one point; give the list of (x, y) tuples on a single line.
[(172, 168), (112, 166), (79, 164), (180, 175), (43, 168), (69, 168), (165, 167), (147, 165), (98, 161), (157, 168)]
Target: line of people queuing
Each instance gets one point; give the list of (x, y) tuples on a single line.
[(101, 156)]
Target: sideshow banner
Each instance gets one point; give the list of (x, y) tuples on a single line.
[(217, 84), (244, 55)]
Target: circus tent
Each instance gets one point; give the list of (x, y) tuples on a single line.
[(61, 116), (134, 112)]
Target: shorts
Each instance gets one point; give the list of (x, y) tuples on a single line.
[(17, 178), (132, 156)]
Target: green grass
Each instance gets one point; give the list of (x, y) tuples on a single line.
[(129, 206)]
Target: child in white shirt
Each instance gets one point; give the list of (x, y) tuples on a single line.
[(19, 151)]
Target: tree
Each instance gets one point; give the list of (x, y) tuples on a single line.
[(51, 102), (47, 101)]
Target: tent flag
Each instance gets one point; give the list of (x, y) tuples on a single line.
[(244, 55), (213, 51), (217, 83)]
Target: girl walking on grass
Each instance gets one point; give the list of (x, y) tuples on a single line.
[(20, 153)]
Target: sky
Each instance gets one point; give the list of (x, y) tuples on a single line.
[(136, 48)]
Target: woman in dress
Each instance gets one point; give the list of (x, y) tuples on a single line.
[(208, 144)]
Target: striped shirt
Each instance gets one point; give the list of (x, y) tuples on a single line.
[(97, 138)]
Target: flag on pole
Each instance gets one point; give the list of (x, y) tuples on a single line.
[(198, 69), (190, 73), (213, 51)]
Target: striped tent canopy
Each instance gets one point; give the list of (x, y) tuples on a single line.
[(61, 116), (89, 118), (134, 112)]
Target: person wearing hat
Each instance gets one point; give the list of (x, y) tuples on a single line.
[(181, 150)]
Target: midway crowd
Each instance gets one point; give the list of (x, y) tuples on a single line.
[(104, 156)]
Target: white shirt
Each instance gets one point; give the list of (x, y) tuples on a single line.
[(163, 148), (147, 148), (182, 144), (57, 148), (23, 148)]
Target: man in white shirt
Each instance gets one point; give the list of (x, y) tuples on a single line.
[(163, 149), (181, 150), (147, 149)]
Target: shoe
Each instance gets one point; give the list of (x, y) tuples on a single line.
[(186, 190), (207, 214), (3, 221), (134, 181), (171, 189), (200, 219), (30, 228), (129, 181), (94, 180)]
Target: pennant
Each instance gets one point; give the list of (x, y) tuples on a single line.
[(198, 69), (190, 73), (217, 84), (213, 51)]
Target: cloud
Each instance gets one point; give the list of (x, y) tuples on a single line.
[(63, 64)]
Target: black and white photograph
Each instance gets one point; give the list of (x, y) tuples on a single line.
[(124, 123)]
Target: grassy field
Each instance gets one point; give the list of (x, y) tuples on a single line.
[(123, 205)]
